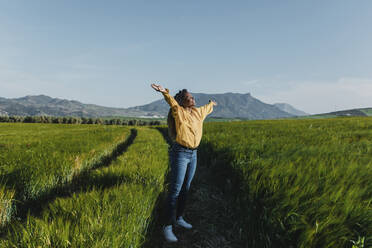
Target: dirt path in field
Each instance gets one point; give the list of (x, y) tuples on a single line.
[(210, 212)]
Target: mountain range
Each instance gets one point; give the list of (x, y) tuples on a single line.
[(230, 105)]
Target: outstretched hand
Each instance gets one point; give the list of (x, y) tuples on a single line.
[(158, 87)]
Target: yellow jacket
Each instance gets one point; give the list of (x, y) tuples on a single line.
[(189, 125)]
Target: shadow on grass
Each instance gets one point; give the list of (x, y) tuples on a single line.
[(202, 209), (83, 182), (252, 215)]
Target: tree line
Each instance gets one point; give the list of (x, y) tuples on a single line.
[(78, 120)]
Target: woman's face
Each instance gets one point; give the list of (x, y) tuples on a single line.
[(189, 101)]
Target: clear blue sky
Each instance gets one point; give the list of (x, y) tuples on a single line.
[(315, 55)]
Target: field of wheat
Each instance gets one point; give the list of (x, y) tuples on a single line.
[(298, 183), (294, 183), (36, 160)]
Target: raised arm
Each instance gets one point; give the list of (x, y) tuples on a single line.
[(208, 108), (170, 100)]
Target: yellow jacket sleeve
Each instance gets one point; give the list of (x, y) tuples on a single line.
[(169, 99), (172, 102), (206, 110)]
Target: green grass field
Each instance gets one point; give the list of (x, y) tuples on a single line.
[(36, 159), (107, 207), (303, 183), (296, 183)]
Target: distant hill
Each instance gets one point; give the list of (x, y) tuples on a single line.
[(289, 109), (45, 105), (349, 112), (230, 105)]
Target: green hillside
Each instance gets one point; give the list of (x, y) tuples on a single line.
[(367, 111), (343, 113)]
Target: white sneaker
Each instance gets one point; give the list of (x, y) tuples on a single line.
[(182, 223), (168, 234)]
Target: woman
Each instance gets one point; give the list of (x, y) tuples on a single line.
[(185, 124)]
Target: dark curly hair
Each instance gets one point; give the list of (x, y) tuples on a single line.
[(180, 98)]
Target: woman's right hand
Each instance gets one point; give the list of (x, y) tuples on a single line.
[(158, 87)]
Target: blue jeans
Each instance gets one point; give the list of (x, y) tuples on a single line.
[(183, 166)]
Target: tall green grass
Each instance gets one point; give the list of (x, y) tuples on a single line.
[(37, 158), (109, 207), (299, 183)]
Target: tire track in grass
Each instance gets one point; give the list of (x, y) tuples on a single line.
[(35, 206), (210, 209), (112, 207)]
